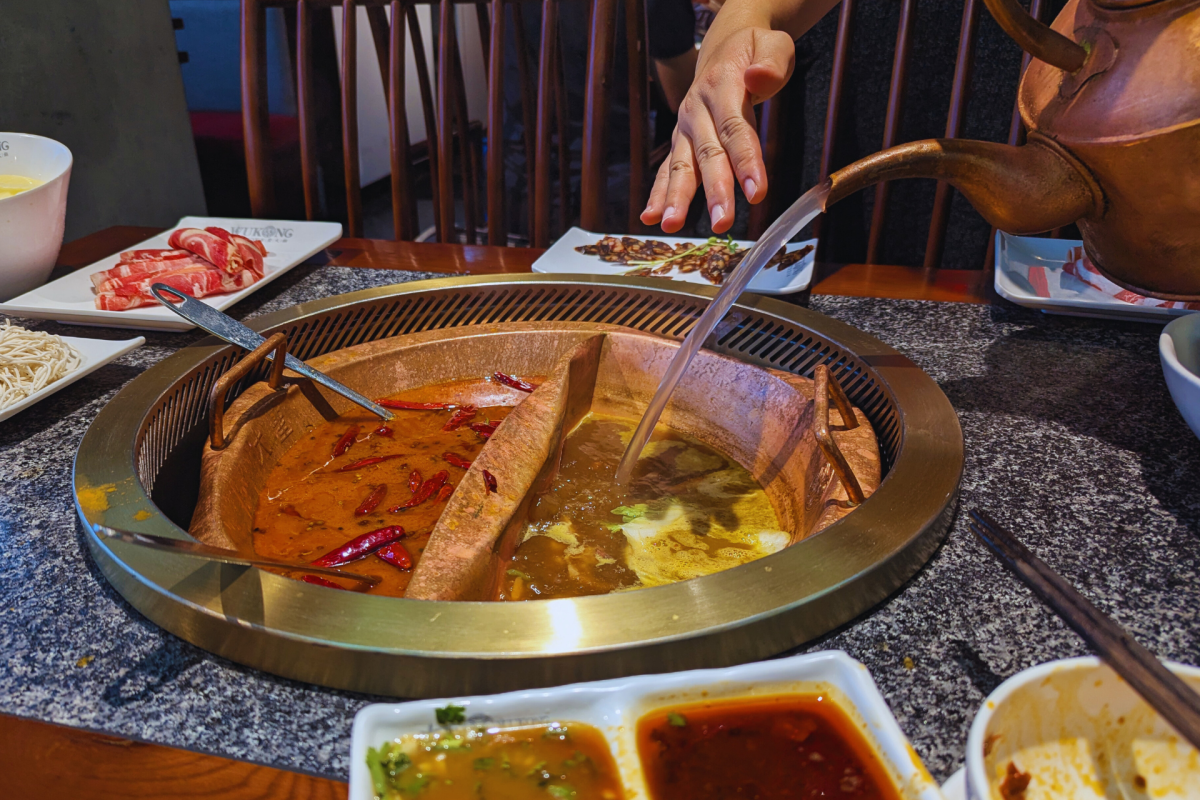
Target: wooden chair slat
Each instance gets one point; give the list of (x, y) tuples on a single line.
[(305, 108), (484, 23), (255, 128), (466, 147), (833, 111), (959, 97), (403, 208), (540, 197), (594, 180), (497, 219), (891, 125), (378, 22), (445, 121), (639, 111), (350, 116)]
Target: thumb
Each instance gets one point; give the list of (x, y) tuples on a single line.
[(771, 64)]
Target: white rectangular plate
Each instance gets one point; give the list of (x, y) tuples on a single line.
[(94, 354), (615, 706), (1016, 255), (70, 298), (562, 259)]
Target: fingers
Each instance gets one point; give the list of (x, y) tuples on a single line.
[(681, 183), (658, 195), (715, 171)]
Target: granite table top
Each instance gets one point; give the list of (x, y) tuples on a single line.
[(1071, 440)]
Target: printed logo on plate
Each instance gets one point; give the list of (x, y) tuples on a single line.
[(264, 233)]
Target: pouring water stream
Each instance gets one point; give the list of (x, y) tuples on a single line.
[(803, 211)]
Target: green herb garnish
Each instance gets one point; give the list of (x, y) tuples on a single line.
[(516, 573), (538, 768), (561, 791), (483, 764), (450, 715), (676, 720), (632, 512), (385, 766), (577, 760)]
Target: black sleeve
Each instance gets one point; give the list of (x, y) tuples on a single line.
[(670, 27)]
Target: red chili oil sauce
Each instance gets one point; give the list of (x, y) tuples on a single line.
[(764, 748)]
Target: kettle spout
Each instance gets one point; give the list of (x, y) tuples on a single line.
[(1028, 189)]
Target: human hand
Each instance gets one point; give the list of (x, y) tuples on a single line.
[(715, 139)]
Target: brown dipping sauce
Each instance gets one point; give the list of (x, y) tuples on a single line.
[(308, 505), (770, 748)]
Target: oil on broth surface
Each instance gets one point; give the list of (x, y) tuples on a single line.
[(687, 511), (771, 748), (541, 762), (308, 506)]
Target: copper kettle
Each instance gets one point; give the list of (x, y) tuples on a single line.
[(1112, 105)]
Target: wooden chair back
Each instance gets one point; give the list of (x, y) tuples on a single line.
[(771, 131), (543, 109)]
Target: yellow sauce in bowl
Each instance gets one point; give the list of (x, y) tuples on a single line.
[(15, 184)]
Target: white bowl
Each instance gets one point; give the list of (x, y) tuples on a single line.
[(1179, 349), (1081, 733), (614, 707), (31, 223)]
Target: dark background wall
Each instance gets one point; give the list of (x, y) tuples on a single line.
[(103, 79)]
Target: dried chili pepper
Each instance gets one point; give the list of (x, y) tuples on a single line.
[(384, 431), (516, 383), (455, 460), (317, 580), (348, 439), (460, 418), (405, 405), (444, 493), (290, 510), (373, 500), (366, 462), (397, 555), (360, 547), (489, 480), (414, 481), (428, 489), (484, 429)]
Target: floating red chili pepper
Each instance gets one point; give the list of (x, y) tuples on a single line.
[(516, 383), (405, 405), (360, 547), (455, 460), (317, 580), (373, 499), (414, 481), (397, 555), (366, 462), (428, 489), (489, 480), (384, 431), (343, 444), (289, 509), (484, 429), (460, 418), (444, 493)]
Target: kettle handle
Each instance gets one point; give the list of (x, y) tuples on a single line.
[(1037, 38)]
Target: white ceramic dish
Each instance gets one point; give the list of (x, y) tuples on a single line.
[(31, 222), (562, 259), (1081, 733), (94, 353), (614, 707), (1024, 262), (955, 787), (1179, 350), (70, 298)]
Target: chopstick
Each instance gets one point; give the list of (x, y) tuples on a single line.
[(1163, 690)]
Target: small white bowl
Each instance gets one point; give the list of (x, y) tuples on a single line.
[(31, 223), (1081, 733), (1179, 349), (615, 706)]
